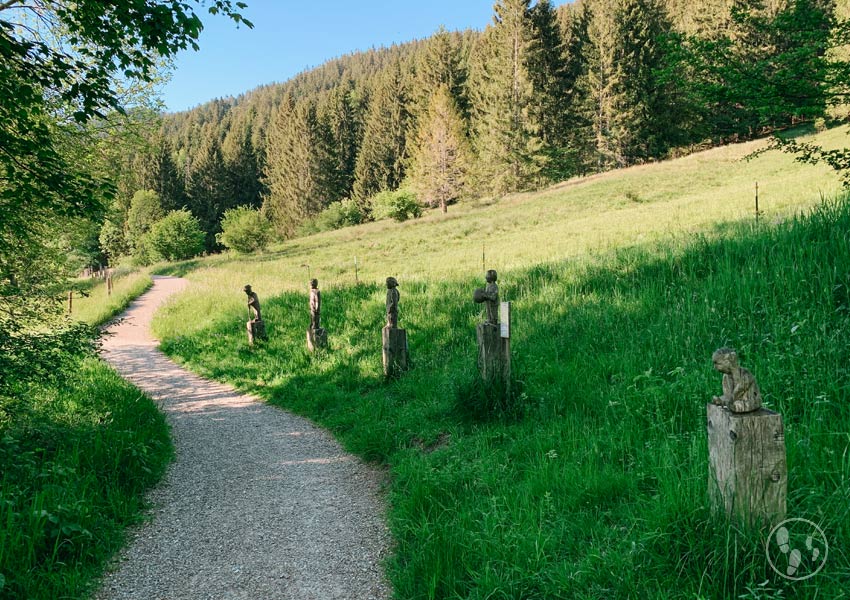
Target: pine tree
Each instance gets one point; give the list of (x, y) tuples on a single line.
[(442, 154), (506, 136), (380, 162)]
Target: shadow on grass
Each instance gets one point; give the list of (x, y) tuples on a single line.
[(603, 478)]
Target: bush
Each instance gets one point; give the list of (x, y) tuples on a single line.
[(244, 229), (399, 205), (177, 236), (145, 210), (143, 252), (339, 214)]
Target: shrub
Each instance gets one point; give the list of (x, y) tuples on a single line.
[(244, 229), (339, 214), (143, 252), (145, 210), (399, 205), (177, 236)]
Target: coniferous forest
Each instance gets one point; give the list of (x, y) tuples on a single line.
[(541, 95)]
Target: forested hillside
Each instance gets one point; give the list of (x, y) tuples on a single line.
[(541, 95)]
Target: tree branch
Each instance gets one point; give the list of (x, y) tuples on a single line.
[(9, 4)]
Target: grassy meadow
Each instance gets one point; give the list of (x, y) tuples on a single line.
[(92, 302), (593, 483), (78, 450)]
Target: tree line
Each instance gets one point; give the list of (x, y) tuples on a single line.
[(541, 95)]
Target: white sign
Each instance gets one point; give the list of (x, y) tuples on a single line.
[(505, 319)]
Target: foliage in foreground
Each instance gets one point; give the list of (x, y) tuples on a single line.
[(598, 488), (75, 462)]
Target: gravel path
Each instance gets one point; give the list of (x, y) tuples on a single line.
[(259, 504)]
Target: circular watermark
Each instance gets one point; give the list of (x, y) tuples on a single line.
[(796, 549)]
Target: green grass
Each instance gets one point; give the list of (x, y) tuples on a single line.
[(567, 221), (596, 486), (74, 464), (77, 454), (97, 306)]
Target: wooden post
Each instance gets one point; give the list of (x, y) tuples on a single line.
[(109, 285), (394, 351), (316, 338), (757, 202), (505, 334), (748, 474), (494, 351), (70, 301), (256, 331)]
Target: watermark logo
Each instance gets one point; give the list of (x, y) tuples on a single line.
[(796, 549)]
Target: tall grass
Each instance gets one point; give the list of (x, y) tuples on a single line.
[(74, 463), (598, 488), (96, 305)]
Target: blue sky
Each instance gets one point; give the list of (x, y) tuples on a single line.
[(291, 36)]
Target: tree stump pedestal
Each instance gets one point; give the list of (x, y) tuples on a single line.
[(394, 350), (748, 475), (494, 356), (256, 331), (317, 339)]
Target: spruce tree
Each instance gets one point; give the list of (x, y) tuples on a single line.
[(339, 129), (627, 106), (441, 160), (207, 191), (643, 115), (599, 85), (294, 177), (506, 136), (160, 174), (552, 79), (439, 64), (380, 162), (578, 149), (242, 163)]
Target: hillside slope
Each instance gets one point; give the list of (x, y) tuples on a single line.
[(568, 220), (593, 484)]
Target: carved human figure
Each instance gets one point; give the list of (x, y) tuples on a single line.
[(490, 296), (253, 303), (740, 391), (315, 304), (392, 302)]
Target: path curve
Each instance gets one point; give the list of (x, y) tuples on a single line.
[(258, 504)]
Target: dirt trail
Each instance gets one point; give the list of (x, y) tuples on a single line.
[(259, 503)]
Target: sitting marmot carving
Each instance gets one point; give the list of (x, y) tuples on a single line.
[(740, 391)]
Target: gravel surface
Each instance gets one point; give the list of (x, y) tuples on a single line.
[(259, 503)]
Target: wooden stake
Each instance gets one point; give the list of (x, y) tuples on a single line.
[(757, 202)]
